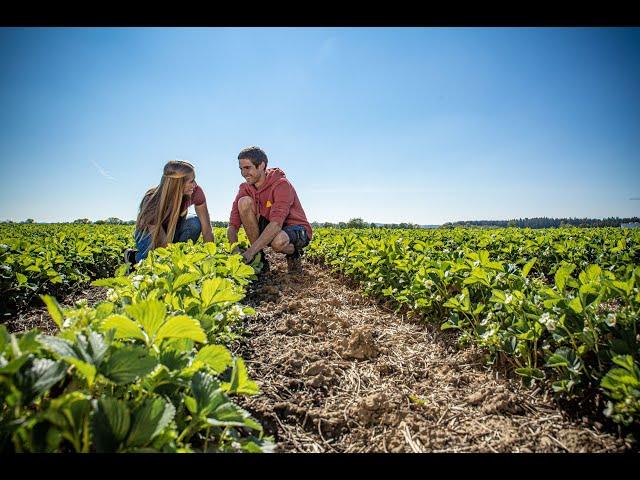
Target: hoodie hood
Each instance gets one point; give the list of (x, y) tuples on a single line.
[(273, 175)]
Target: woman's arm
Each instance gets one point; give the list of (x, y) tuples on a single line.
[(205, 222)]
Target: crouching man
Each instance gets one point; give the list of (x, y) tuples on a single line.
[(268, 208)]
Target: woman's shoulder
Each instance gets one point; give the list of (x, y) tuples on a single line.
[(198, 197)]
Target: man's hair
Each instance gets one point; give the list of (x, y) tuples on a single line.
[(255, 154)]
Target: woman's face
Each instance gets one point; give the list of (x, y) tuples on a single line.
[(190, 184)]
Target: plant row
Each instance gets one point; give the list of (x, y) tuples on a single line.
[(558, 310), (51, 259), (147, 370)]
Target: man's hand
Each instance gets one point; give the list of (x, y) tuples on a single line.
[(248, 255)]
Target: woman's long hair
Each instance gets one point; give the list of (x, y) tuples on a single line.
[(160, 207)]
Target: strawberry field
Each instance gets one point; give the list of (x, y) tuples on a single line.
[(560, 306), (153, 364)]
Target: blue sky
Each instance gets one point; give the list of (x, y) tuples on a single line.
[(421, 125)]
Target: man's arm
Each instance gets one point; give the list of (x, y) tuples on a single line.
[(282, 201), (232, 236), (205, 222), (268, 234)]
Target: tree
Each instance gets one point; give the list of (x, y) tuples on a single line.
[(29, 220), (82, 220), (356, 223)]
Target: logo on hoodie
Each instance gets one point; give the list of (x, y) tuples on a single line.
[(268, 204)]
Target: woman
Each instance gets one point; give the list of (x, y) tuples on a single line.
[(162, 218)]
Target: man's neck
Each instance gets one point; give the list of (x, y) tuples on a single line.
[(260, 182)]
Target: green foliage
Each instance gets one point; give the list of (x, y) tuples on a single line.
[(50, 259), (145, 371), (562, 306)]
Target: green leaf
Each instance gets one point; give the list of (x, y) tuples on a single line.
[(229, 414), (530, 373), (184, 279), (148, 420), (191, 404), (28, 341), (5, 338), (68, 413), (112, 282), (128, 364), (209, 289), (86, 369), (37, 376), (562, 275), (557, 360), (181, 326), (121, 271), (104, 309), (591, 274), (240, 382), (124, 327), (215, 356), (150, 314), (14, 365), (206, 392), (527, 268), (54, 309), (226, 295), (576, 305), (98, 347), (22, 279), (110, 424), (174, 359)]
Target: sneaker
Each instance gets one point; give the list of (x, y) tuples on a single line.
[(130, 257), (294, 263)]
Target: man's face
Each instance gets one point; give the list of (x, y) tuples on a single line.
[(249, 171)]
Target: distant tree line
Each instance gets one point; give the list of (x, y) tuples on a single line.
[(360, 223), (543, 222)]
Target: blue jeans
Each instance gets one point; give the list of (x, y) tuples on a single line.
[(187, 228)]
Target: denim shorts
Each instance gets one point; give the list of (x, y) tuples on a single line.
[(297, 233)]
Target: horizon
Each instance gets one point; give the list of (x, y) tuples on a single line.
[(128, 221), (401, 124)]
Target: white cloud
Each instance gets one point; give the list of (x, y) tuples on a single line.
[(104, 173)]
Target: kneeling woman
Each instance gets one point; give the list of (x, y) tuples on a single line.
[(162, 218)]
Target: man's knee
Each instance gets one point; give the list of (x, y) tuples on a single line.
[(280, 242), (245, 205)]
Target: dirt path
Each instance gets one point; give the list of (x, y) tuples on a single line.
[(339, 373)]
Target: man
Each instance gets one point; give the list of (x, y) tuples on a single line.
[(268, 207)]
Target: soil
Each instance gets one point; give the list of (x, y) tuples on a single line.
[(37, 316)]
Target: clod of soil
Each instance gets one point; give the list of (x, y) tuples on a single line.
[(361, 345)]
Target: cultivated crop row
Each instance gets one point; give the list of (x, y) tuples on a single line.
[(146, 370), (51, 259), (560, 306)]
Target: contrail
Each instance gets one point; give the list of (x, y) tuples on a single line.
[(102, 171)]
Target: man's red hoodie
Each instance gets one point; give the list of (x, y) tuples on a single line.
[(276, 200)]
